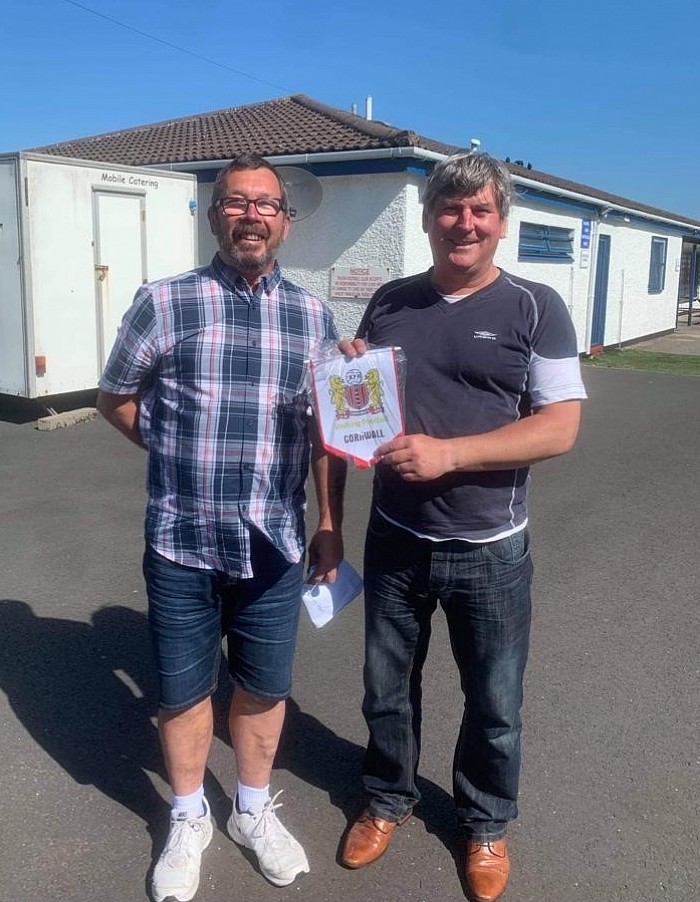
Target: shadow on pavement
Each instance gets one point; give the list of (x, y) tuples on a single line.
[(14, 409), (86, 694), (321, 758)]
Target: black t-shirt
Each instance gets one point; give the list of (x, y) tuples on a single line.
[(473, 365)]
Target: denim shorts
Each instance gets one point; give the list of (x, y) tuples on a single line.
[(189, 610)]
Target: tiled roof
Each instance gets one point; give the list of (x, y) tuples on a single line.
[(284, 127), (290, 125)]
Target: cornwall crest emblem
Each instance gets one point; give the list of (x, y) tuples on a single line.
[(357, 394)]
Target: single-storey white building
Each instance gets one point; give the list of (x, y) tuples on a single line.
[(622, 267)]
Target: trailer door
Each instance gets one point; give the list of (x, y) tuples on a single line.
[(120, 261)]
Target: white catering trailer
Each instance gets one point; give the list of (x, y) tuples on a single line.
[(77, 238)]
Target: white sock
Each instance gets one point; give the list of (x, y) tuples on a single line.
[(251, 798), (191, 805)]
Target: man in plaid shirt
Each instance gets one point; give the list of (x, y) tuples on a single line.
[(208, 374)]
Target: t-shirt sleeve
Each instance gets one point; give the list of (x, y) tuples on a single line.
[(364, 330), (134, 355), (555, 369)]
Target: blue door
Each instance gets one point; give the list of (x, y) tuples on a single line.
[(600, 297)]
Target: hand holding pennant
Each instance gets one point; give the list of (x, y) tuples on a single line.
[(358, 401)]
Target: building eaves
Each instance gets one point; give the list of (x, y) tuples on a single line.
[(600, 198)]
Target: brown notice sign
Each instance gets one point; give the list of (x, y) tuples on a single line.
[(357, 281)]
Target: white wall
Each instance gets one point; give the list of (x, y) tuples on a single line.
[(417, 256), (61, 276), (571, 281), (632, 311), (60, 264), (207, 245), (361, 222), (12, 369), (630, 252)]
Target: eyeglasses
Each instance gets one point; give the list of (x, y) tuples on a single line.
[(238, 206)]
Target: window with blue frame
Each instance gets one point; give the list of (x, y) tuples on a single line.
[(545, 242), (657, 265)]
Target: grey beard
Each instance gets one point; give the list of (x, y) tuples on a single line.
[(251, 264)]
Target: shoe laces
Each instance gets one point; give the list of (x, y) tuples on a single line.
[(182, 834), (477, 847), (267, 825)]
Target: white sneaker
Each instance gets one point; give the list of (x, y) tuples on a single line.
[(280, 857), (177, 872)]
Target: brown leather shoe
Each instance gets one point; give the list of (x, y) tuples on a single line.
[(368, 839), (487, 869)]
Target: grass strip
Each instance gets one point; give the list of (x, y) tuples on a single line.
[(651, 361)]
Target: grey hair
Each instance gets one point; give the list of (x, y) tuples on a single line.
[(240, 163), (469, 173)]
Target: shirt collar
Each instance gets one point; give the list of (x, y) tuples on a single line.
[(235, 281)]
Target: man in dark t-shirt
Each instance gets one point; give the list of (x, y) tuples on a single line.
[(493, 385)]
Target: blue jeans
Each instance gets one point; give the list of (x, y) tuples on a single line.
[(190, 609), (484, 591)]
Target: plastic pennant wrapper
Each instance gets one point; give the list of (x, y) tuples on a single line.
[(324, 600), (358, 401)]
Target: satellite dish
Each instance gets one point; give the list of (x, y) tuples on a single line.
[(304, 190)]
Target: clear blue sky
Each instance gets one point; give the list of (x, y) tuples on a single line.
[(602, 92)]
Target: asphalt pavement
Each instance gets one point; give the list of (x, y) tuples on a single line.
[(610, 791)]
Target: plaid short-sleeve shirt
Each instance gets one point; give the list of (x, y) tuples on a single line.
[(220, 373)]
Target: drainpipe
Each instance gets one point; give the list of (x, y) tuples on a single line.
[(571, 292), (693, 283), (622, 304)]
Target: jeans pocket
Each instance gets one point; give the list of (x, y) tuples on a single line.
[(509, 550)]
